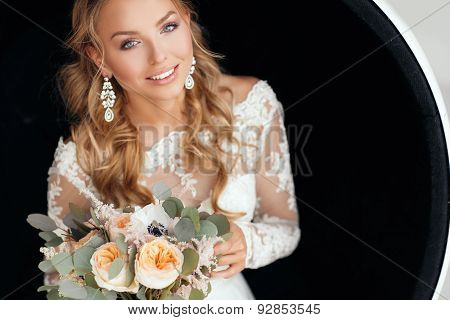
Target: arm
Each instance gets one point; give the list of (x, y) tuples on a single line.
[(63, 176), (274, 232)]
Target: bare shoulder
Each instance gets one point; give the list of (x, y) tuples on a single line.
[(240, 86)]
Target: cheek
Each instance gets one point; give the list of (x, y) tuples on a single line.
[(127, 66)]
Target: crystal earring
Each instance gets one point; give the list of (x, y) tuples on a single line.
[(189, 83), (108, 98)]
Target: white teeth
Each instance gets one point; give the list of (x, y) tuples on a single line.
[(163, 75)]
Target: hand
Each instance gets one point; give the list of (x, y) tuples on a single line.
[(234, 252)]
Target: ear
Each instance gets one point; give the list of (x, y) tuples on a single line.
[(95, 57)]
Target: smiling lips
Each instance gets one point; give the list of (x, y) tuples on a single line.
[(164, 75)]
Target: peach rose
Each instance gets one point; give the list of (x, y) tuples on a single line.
[(101, 261), (158, 263), (118, 224)]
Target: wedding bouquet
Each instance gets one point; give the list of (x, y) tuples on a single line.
[(160, 251)]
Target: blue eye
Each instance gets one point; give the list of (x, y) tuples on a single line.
[(128, 44), (172, 26)]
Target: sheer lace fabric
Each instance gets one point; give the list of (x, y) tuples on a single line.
[(261, 184)]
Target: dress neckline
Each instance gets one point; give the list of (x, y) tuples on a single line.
[(180, 132)]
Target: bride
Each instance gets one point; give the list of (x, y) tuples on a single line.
[(150, 103)]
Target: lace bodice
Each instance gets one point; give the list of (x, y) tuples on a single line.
[(260, 185)]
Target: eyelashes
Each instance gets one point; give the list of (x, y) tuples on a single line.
[(130, 43)]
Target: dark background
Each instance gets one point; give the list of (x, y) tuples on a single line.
[(376, 151)]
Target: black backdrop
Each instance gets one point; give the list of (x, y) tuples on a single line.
[(376, 152)]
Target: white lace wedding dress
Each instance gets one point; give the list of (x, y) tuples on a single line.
[(265, 192)]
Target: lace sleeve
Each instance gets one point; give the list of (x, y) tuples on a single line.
[(274, 232), (64, 179)]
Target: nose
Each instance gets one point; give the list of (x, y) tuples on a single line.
[(157, 54)]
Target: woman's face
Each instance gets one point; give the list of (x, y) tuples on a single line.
[(143, 38)]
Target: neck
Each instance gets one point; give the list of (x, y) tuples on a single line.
[(159, 114)]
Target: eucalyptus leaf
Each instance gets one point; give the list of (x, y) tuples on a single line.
[(70, 289), (47, 235), (95, 242), (110, 295), (79, 214), (63, 263), (46, 288), (172, 297), (141, 293), (41, 221), (68, 220), (221, 222), (192, 213), (77, 234), (81, 226), (170, 207), (89, 279), (46, 266), (196, 294), (95, 218), (54, 242), (227, 236), (203, 215), (121, 244), (184, 229), (161, 190), (53, 295), (190, 262), (130, 273), (81, 259), (94, 294), (179, 205), (207, 228), (115, 268)]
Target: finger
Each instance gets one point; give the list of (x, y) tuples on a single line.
[(222, 248), (231, 259), (228, 273)]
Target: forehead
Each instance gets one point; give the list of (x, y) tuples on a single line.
[(117, 15)]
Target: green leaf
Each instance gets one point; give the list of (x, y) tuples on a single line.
[(53, 295), (207, 228), (110, 295), (192, 214), (54, 242), (89, 278), (170, 207), (81, 226), (68, 221), (94, 218), (95, 242), (115, 268), (46, 288), (41, 221), (209, 288), (46, 266), (81, 259), (184, 229), (227, 236), (70, 289), (161, 190), (77, 234), (221, 222), (120, 241), (179, 204), (63, 263), (79, 214), (47, 235), (141, 293), (196, 294), (203, 215), (172, 297), (94, 294), (130, 270), (190, 261)]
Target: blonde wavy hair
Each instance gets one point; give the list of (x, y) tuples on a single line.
[(112, 154)]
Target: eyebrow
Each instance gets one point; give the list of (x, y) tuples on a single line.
[(160, 21)]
